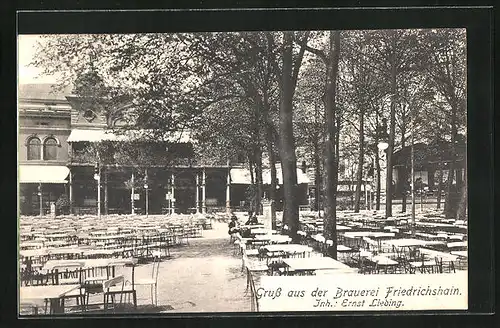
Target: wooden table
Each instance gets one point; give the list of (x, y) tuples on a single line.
[(311, 264), (462, 254), (382, 262), (262, 231), (423, 265), (288, 248), (407, 242), (273, 238), (251, 226), (50, 292)]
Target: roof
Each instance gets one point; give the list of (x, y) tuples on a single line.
[(43, 91), (430, 154)]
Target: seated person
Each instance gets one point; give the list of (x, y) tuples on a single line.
[(252, 220), (233, 225)]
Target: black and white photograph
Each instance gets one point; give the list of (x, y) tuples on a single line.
[(242, 171)]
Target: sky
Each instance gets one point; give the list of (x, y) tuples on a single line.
[(25, 51)]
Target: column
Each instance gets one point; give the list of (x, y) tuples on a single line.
[(204, 192), (70, 192), (173, 194), (197, 195), (383, 175), (132, 192), (228, 189), (105, 191)]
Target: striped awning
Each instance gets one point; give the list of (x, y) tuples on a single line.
[(43, 174)]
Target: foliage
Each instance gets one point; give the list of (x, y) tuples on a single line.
[(242, 93)]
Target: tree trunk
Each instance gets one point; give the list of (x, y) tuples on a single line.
[(287, 141), (450, 200), (272, 167), (440, 185), (404, 197), (449, 197), (462, 205), (361, 156), (392, 130), (317, 174), (272, 158), (258, 181), (403, 172), (252, 183), (330, 223)]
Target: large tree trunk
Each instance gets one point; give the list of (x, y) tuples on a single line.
[(392, 130), (258, 181), (330, 219), (450, 200), (251, 187), (272, 167), (404, 170), (317, 174), (462, 205), (440, 185), (270, 140), (361, 156), (287, 140)]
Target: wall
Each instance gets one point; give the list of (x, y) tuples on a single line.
[(37, 119)]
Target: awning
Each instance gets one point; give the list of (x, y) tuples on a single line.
[(96, 135), (78, 135), (301, 176), (242, 176), (43, 174)]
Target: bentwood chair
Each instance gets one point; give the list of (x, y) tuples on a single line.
[(112, 287), (152, 282)]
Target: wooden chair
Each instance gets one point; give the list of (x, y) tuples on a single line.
[(112, 287), (32, 308), (70, 273), (152, 282)]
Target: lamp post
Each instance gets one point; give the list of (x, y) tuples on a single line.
[(40, 198), (97, 177), (146, 189), (412, 177), (383, 144), (147, 199), (382, 147)]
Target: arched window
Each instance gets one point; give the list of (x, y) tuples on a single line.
[(50, 149), (34, 149)]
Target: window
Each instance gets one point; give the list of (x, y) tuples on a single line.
[(50, 149), (89, 115), (34, 149)]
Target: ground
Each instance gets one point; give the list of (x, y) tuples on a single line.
[(203, 276)]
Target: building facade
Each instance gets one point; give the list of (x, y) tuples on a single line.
[(55, 135)]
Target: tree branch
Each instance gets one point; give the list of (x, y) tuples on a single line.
[(317, 52)]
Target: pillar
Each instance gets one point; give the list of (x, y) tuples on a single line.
[(383, 175), (204, 192), (228, 189), (132, 192), (70, 192), (172, 200), (197, 195), (105, 191)]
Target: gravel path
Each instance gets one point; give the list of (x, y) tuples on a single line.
[(203, 276)]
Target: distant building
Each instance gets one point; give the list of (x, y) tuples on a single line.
[(54, 134)]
